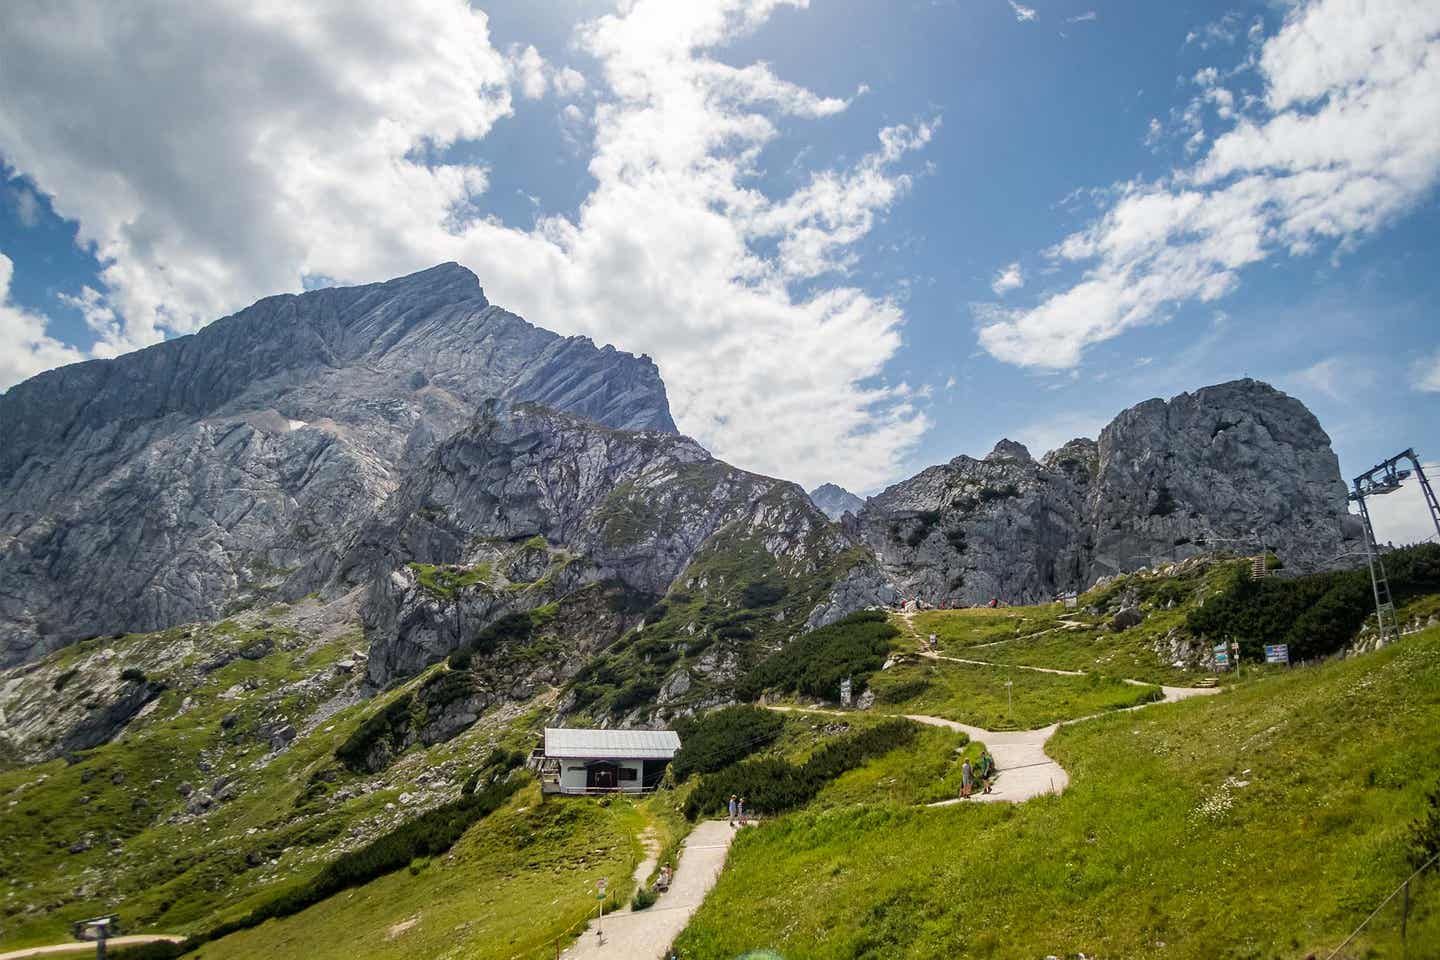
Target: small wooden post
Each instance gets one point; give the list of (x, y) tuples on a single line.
[(1404, 918)]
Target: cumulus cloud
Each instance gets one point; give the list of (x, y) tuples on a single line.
[(1022, 14), (1343, 143), (328, 173), (531, 71), (1010, 278), (27, 348), (568, 82), (1425, 373)]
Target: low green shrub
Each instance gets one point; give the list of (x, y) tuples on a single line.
[(132, 675), (644, 899), (390, 723), (428, 835), (905, 690), (815, 663), (762, 594), (717, 739), (771, 785), (1315, 615)]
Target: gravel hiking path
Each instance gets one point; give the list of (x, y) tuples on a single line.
[(81, 947), (647, 934)]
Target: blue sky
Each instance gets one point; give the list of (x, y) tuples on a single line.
[(801, 211)]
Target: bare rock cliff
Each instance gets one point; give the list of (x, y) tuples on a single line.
[(238, 464), (1239, 466)]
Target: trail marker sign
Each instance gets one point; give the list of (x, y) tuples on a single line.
[(1277, 653), (1222, 656)]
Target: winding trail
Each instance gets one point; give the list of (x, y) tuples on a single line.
[(645, 935), (1019, 755), (82, 947)]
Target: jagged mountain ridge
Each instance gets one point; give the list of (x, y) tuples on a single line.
[(1236, 466), (164, 485), (835, 501), (528, 505)]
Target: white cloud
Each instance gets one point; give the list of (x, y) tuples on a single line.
[(1346, 144), (1088, 16), (1008, 279), (329, 172), (1425, 373), (1022, 14), (530, 71), (568, 82), (1220, 31), (25, 347)]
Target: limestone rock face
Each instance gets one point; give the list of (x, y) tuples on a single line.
[(1236, 466), (528, 505), (239, 463), (835, 501)]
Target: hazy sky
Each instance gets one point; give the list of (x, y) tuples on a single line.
[(858, 238)]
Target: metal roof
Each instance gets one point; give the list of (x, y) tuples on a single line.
[(611, 744)]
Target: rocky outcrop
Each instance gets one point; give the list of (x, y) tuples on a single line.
[(170, 484), (527, 505), (1237, 466), (835, 501)]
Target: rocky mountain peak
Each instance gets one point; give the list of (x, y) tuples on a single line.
[(1009, 450), (236, 463), (835, 501), (1239, 466)]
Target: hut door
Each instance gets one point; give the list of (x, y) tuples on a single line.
[(602, 776)]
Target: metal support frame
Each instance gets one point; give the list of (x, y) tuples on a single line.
[(1386, 477)]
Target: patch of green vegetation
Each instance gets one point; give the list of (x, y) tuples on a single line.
[(1315, 615), (979, 695), (709, 606), (1264, 823), (817, 662), (721, 737), (478, 901), (431, 833), (771, 785), (446, 581)]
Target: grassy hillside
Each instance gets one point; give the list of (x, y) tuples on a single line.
[(509, 888), (1266, 822), (224, 791)]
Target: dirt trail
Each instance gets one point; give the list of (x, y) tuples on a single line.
[(646, 935), (1026, 769), (79, 947)]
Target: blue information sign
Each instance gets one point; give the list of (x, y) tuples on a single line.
[(1277, 653)]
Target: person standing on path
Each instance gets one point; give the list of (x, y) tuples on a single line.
[(987, 770), (741, 810), (967, 779), (734, 809)]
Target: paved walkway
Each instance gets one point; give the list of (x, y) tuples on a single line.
[(647, 934), (79, 947)]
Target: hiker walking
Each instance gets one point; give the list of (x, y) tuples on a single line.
[(741, 810), (967, 780), (734, 808), (987, 771)]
